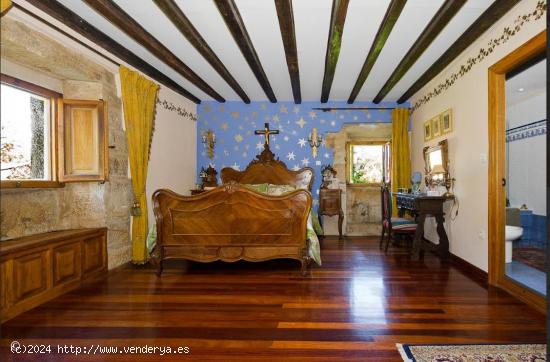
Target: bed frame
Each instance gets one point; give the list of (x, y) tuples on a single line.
[(231, 222)]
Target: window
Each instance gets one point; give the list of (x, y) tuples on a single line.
[(27, 124), (48, 140), (368, 163)]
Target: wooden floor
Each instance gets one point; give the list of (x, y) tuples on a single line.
[(357, 306)]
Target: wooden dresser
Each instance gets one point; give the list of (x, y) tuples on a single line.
[(37, 268), (330, 204)]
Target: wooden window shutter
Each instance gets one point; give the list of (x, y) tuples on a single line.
[(82, 130)]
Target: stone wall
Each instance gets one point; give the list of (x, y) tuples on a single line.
[(77, 205)]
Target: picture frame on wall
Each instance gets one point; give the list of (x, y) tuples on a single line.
[(427, 130), (436, 127), (446, 120)]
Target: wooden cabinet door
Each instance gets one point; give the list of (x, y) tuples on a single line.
[(66, 264), (94, 255), (30, 276)]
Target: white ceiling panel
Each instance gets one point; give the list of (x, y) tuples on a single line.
[(262, 24), (465, 17), (99, 22), (414, 18), (150, 17), (209, 23), (362, 22), (312, 21)]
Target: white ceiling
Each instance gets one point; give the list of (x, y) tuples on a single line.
[(527, 84), (312, 18)]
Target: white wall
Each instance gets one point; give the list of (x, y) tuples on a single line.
[(527, 157), (468, 144), (173, 151)]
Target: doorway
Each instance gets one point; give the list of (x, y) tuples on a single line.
[(512, 258)]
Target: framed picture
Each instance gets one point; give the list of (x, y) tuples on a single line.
[(436, 127), (446, 120), (427, 130)]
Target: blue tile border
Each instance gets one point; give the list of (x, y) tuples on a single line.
[(529, 130)]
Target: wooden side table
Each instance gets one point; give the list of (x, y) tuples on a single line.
[(330, 204)]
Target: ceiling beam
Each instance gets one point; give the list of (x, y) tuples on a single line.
[(82, 27), (286, 24), (474, 31), (230, 14), (392, 14), (337, 20), (112, 12), (173, 12), (443, 16)]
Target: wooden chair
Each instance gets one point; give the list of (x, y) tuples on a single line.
[(393, 225)]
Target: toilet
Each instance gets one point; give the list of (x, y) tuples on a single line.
[(511, 233)]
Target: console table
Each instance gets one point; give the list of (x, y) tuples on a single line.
[(421, 206)]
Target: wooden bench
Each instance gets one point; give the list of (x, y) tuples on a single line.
[(37, 268)]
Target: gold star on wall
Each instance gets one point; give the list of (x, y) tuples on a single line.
[(207, 108), (263, 106), (313, 115), (301, 122), (275, 118), (238, 138), (235, 115), (283, 109), (222, 108), (254, 114), (225, 126)]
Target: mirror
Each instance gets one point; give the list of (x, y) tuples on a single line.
[(436, 164)]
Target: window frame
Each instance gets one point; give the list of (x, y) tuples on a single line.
[(53, 96), (349, 161)]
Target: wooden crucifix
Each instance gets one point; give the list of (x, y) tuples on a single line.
[(266, 132)]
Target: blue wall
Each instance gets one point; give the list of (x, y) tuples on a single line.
[(234, 124)]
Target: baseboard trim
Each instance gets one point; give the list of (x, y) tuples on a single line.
[(470, 269)]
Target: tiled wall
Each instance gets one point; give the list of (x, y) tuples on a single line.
[(534, 231), (234, 124)]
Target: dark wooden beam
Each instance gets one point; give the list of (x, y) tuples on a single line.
[(82, 27), (474, 31), (337, 20), (392, 14), (112, 12), (445, 13), (232, 17), (173, 12), (288, 34)]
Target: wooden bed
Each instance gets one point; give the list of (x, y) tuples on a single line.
[(232, 222)]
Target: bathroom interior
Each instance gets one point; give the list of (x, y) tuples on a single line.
[(526, 219)]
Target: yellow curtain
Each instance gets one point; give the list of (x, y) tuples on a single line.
[(400, 153), (4, 5), (139, 97)]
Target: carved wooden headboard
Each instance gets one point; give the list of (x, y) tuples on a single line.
[(267, 169)]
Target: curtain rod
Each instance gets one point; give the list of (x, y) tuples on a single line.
[(328, 109)]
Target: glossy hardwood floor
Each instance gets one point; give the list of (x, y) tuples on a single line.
[(353, 308)]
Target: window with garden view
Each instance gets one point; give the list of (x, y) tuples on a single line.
[(369, 163), (25, 135)]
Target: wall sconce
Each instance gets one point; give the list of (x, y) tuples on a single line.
[(315, 141), (209, 140)]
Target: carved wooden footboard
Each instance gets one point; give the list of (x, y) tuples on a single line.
[(231, 223)]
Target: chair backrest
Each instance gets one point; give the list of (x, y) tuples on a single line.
[(386, 202)]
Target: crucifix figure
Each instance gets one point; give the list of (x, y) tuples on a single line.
[(266, 132)]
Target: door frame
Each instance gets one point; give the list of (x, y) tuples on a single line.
[(497, 168)]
